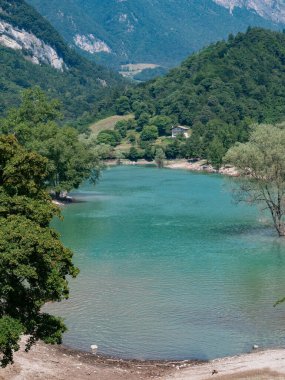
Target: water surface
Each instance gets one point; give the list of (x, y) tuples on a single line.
[(170, 268)]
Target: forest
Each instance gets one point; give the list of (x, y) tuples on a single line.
[(218, 92)]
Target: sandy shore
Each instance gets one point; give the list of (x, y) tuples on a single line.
[(182, 164), (59, 363), (260, 365), (201, 166), (47, 362)]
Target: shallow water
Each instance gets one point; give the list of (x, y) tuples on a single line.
[(170, 268)]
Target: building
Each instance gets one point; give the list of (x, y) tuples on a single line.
[(180, 130)]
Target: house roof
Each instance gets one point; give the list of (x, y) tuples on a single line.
[(181, 127)]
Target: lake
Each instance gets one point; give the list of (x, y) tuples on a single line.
[(170, 268)]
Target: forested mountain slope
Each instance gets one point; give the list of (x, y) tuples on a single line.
[(33, 53), (220, 91), (146, 31)]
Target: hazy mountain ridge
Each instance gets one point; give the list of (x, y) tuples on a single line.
[(270, 9), (146, 31)]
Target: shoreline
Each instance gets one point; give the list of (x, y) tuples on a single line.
[(179, 164), (48, 362)]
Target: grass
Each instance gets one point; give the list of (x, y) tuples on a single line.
[(108, 123), (124, 147)]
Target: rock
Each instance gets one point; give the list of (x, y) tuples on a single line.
[(38, 51), (94, 348)]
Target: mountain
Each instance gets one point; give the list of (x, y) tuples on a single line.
[(33, 53), (220, 91), (157, 32), (269, 9)]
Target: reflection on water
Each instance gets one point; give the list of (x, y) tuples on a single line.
[(170, 268)]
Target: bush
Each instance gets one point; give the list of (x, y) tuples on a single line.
[(149, 133)]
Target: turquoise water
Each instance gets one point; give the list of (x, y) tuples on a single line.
[(170, 268)]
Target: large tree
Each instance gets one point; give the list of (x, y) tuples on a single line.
[(36, 125), (34, 264), (261, 162)]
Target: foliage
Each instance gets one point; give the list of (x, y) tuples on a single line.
[(122, 127), (216, 152), (109, 137), (34, 264), (35, 125), (262, 162), (142, 121), (149, 152), (159, 157), (149, 133), (122, 105), (104, 152), (10, 330), (163, 124), (219, 92), (174, 149), (132, 138), (133, 154)]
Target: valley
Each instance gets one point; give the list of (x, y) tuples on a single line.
[(163, 274), (149, 31)]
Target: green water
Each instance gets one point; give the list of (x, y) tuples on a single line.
[(170, 268)]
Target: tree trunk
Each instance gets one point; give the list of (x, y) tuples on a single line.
[(279, 225)]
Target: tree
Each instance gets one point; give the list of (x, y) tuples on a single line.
[(261, 162), (172, 150), (123, 105), (70, 160), (132, 137), (216, 152), (119, 157), (163, 124), (149, 152), (110, 137), (142, 121), (34, 110), (159, 157), (35, 125), (34, 265), (149, 133), (133, 154), (139, 108), (122, 127)]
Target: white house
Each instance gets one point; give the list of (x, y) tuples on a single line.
[(180, 130)]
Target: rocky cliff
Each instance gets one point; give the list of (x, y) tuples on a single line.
[(32, 47), (269, 9)]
